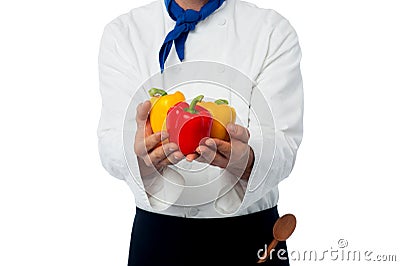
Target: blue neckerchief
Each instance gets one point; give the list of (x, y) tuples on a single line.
[(186, 21)]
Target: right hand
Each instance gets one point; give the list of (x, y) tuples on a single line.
[(151, 155)]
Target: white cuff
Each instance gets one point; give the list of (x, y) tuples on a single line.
[(164, 190)]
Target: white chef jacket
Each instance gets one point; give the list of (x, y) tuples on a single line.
[(258, 42)]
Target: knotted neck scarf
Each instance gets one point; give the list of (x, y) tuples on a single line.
[(186, 21)]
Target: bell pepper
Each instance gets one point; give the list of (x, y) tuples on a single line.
[(160, 104), (222, 114), (188, 124)]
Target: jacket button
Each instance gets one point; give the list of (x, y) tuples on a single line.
[(193, 211), (222, 22), (177, 68)]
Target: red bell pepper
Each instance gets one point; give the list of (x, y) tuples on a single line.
[(188, 124)]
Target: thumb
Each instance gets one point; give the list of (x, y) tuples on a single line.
[(142, 112), (238, 132)]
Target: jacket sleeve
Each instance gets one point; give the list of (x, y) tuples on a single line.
[(121, 92), (118, 79), (276, 116), (275, 122)]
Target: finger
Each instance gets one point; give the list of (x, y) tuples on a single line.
[(148, 130), (238, 132), (145, 145), (221, 146), (210, 143), (154, 140), (217, 159), (191, 157), (160, 153), (142, 143), (142, 112), (172, 158), (207, 153), (141, 118)]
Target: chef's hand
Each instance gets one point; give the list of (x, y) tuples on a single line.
[(236, 156), (151, 155)]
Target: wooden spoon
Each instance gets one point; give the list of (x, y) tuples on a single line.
[(283, 229)]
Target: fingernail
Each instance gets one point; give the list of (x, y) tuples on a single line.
[(209, 142), (177, 157), (171, 149), (232, 128), (164, 135)]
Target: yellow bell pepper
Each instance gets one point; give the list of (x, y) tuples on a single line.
[(222, 114), (161, 101)]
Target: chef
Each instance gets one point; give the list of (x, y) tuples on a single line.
[(224, 210)]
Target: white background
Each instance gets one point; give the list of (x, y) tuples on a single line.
[(58, 206)]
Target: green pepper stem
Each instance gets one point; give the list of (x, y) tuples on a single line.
[(221, 101), (154, 92), (191, 109)]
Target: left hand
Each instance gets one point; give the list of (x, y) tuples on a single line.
[(236, 156)]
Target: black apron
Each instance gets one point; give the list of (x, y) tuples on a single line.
[(165, 240)]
